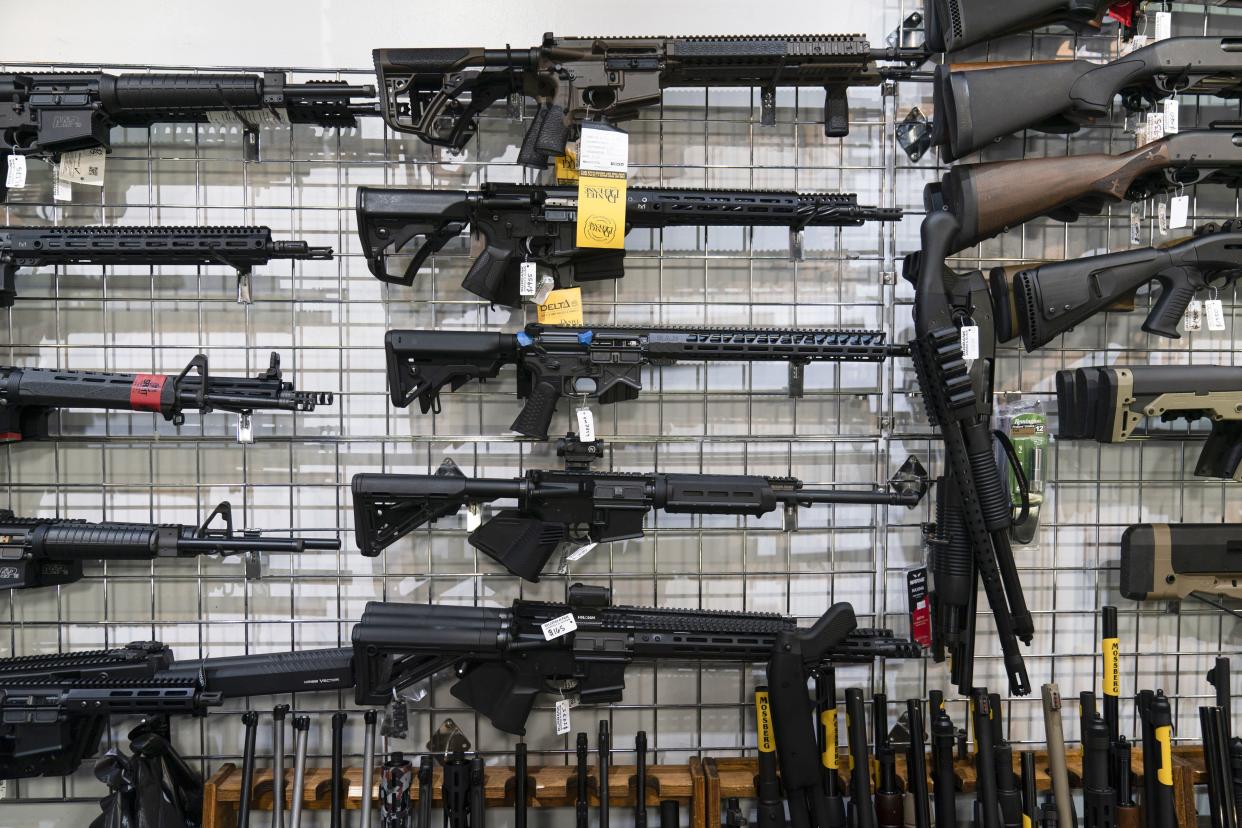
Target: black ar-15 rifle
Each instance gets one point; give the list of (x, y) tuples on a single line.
[(973, 515), (240, 248), (504, 660), (603, 363), (44, 114), (438, 94), (29, 395), (518, 223), (38, 552), (577, 506), (973, 102), (54, 708)]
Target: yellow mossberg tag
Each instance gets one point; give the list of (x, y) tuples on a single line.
[(1026, 822), (1164, 774), (763, 717), (601, 210), (562, 307), (829, 720), (1112, 666), (567, 167)]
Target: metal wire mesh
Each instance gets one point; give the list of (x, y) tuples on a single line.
[(326, 319)]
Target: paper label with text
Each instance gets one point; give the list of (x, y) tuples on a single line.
[(562, 307), (15, 175), (561, 625), (83, 167)]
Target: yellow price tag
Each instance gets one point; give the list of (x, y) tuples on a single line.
[(601, 210), (1112, 667), (567, 167), (1164, 774), (562, 307), (763, 716), (829, 720)]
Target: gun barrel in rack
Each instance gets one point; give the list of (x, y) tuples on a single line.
[(528, 223), (575, 507), (38, 552), (29, 395), (241, 248)]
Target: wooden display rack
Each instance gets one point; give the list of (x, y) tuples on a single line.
[(701, 785)]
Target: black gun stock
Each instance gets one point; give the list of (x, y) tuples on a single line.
[(973, 102), (955, 24), (556, 507), (1042, 301)]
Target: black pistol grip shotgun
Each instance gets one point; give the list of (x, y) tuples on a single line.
[(971, 101), (1109, 404), (241, 248), (28, 396), (38, 552), (955, 24), (516, 223), (44, 114), (602, 363), (578, 507), (987, 199), (1039, 302), (438, 94), (503, 661), (958, 398)]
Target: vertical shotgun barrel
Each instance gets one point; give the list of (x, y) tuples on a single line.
[(944, 779), (916, 765), (862, 809)]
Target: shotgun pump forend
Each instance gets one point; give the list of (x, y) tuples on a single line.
[(987, 199), (503, 660), (955, 24), (1042, 301), (514, 223), (974, 107), (599, 362), (1175, 561), (240, 248), (575, 507), (38, 552), (1108, 404), (44, 114), (29, 395), (438, 94)]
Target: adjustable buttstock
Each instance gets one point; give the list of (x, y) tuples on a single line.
[(422, 363), (535, 418), (520, 544), (956, 24)]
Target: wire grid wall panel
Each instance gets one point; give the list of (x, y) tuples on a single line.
[(855, 425)]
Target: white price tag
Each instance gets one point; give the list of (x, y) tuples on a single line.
[(1179, 211), (1215, 311), (1164, 26), (1136, 222), (1155, 128), (62, 190), (1162, 217), (603, 149), (586, 424), (527, 278), (970, 341), (546, 285), (561, 625), (581, 551), (562, 717), (1136, 42), (1193, 320), (474, 516), (83, 167), (1172, 117), (15, 177)]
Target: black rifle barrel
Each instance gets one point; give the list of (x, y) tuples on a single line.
[(916, 765), (987, 805), (521, 785), (581, 812), (943, 736), (640, 779), (862, 808)]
